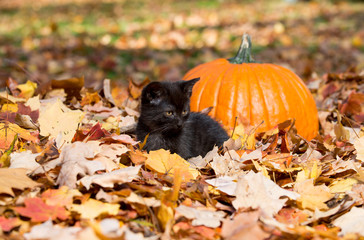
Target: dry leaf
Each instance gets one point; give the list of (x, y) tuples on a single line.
[(55, 118), (351, 222), (38, 211), (74, 161), (206, 217), (312, 197), (256, 191), (162, 161), (25, 160), (47, 230), (243, 226), (108, 180), (9, 130), (15, 178), (93, 208)]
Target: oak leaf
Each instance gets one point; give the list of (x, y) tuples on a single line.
[(38, 211), (15, 178), (205, 217), (47, 230)]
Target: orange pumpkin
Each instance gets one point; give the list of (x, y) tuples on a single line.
[(239, 87)]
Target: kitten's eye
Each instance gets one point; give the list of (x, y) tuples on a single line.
[(184, 112), (168, 113)]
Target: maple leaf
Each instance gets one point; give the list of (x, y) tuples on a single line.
[(312, 196), (162, 161), (6, 224), (55, 118), (38, 211), (93, 208), (15, 178)]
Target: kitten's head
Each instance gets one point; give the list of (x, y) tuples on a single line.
[(166, 105)]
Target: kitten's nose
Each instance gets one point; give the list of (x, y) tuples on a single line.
[(179, 123)]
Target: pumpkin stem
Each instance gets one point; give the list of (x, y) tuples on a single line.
[(244, 53)]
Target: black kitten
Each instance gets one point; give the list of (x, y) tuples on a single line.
[(166, 117)]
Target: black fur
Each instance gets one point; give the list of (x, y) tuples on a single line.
[(166, 117)]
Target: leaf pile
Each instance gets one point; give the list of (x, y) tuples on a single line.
[(71, 167)]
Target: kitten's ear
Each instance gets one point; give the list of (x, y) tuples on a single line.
[(153, 92), (188, 85)]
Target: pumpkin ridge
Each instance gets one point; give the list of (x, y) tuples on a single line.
[(216, 99), (261, 94), (304, 97), (282, 95), (236, 85)]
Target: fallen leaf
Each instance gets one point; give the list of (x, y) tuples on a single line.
[(108, 180), (38, 211), (243, 226), (93, 208), (206, 217), (55, 118), (256, 191), (74, 161), (15, 178), (24, 159), (351, 222), (27, 89), (47, 230), (6, 224), (60, 197), (312, 197), (9, 130), (162, 161)]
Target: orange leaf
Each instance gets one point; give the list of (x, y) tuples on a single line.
[(38, 211), (60, 197)]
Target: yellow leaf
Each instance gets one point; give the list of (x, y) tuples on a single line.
[(162, 161), (27, 89), (312, 197), (9, 130), (9, 107), (359, 146), (165, 215), (93, 208), (261, 169), (56, 118), (248, 140), (15, 178), (342, 186)]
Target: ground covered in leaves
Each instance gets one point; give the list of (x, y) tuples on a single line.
[(71, 167), (70, 164)]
